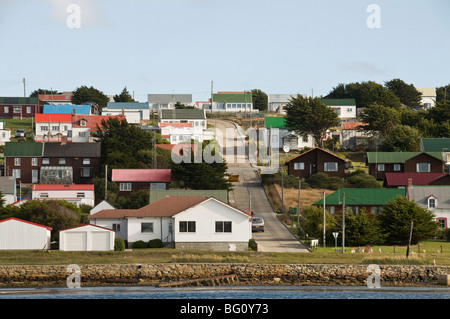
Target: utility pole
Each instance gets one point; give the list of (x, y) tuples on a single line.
[(106, 181), (282, 188), (24, 88), (298, 205), (343, 222), (211, 97), (409, 242)]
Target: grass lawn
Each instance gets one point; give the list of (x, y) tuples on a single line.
[(14, 124), (166, 255)]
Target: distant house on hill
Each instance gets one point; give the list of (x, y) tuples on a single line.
[(132, 180), (283, 136), (433, 198)]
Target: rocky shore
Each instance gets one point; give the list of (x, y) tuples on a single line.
[(242, 274)]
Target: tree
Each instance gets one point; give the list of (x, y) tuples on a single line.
[(407, 93), (313, 223), (35, 93), (443, 93), (260, 100), (397, 217), (124, 96), (362, 229), (310, 116), (85, 94), (380, 119), (402, 138), (365, 93)]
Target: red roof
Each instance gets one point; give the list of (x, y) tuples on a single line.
[(61, 187), (141, 175), (93, 120), (52, 118), (55, 97), (352, 125), (174, 124), (401, 179), (24, 221)]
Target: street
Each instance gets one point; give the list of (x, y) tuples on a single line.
[(248, 193)]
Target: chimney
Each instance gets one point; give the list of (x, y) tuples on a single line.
[(410, 183)]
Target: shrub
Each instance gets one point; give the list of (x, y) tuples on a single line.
[(322, 180), (155, 243), (252, 245), (119, 244), (139, 244)]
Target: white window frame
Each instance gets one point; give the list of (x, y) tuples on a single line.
[(328, 169), (419, 168), (299, 166), (125, 187), (17, 161)]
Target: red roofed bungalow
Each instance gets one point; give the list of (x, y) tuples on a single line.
[(131, 180), (409, 179), (73, 193)]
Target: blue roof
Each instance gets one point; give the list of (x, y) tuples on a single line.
[(66, 109), (128, 105)]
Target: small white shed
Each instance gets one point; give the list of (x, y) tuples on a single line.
[(21, 234), (87, 238)]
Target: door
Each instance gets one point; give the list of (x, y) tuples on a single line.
[(34, 176), (312, 169)]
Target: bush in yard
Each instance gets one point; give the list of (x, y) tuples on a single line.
[(252, 245), (139, 244), (119, 244), (155, 243)]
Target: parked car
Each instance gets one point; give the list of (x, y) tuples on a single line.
[(20, 133), (257, 224)]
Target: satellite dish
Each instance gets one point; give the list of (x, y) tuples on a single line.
[(286, 148)]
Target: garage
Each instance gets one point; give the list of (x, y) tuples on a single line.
[(87, 238)]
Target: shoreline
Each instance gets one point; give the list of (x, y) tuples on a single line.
[(220, 274)]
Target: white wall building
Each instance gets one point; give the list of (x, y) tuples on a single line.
[(75, 194), (175, 133), (134, 112), (53, 127), (344, 108), (433, 198), (196, 117), (20, 234), (86, 238), (190, 222), (158, 102), (428, 97)]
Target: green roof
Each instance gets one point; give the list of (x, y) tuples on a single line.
[(435, 144), (23, 149), (216, 193), (275, 122), (338, 102), (362, 196), (397, 157), (182, 114), (232, 97), (19, 100)]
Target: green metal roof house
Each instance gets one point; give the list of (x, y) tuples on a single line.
[(435, 145), (373, 199)]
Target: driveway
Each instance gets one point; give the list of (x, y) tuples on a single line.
[(249, 193)]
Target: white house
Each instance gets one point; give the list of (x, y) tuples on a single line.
[(277, 102), (188, 222), (433, 198), (276, 133), (428, 97), (180, 132), (53, 127), (159, 102), (352, 136), (5, 134), (73, 193), (344, 108), (8, 189), (196, 117), (20, 234), (87, 238), (134, 112)]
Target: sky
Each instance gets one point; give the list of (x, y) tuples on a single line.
[(189, 46)]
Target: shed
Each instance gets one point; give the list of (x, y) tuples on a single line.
[(21, 234), (87, 238)]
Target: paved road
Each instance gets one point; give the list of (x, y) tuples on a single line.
[(249, 193)]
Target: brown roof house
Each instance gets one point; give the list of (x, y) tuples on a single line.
[(315, 161), (186, 222)]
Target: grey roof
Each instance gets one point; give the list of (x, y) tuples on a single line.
[(169, 98), (421, 193), (7, 184), (182, 114), (72, 150), (280, 98)]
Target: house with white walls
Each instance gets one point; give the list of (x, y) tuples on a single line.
[(134, 112), (21, 234), (87, 238), (77, 194), (428, 98), (344, 108), (186, 222), (53, 127), (158, 102)]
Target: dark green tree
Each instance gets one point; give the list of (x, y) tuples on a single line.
[(260, 100), (361, 229), (85, 94), (310, 116), (313, 223), (396, 222), (35, 93), (407, 93), (380, 119), (443, 93), (124, 96), (365, 93), (402, 138)]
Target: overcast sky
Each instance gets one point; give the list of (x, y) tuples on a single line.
[(180, 46)]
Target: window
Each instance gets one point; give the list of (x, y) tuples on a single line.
[(6, 109), (34, 161), (330, 167), (157, 186), (80, 195), (432, 202), (44, 195), (17, 109), (82, 123), (380, 167), (423, 167), (116, 227), (125, 187), (300, 165), (146, 227), (55, 128), (44, 128), (45, 160), (86, 161), (223, 227), (82, 134), (62, 161), (442, 222), (397, 167), (28, 109), (16, 173), (86, 172), (65, 128), (17, 161), (187, 227)]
